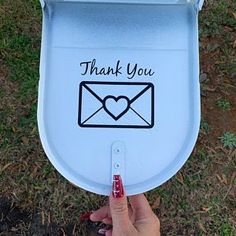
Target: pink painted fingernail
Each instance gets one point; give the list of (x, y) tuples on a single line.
[(117, 187)]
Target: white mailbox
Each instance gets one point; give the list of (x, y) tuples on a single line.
[(119, 90)]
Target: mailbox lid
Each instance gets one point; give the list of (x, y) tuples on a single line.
[(161, 37)]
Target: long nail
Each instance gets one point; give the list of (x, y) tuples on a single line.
[(117, 188)]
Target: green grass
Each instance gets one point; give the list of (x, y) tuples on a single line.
[(228, 140), (31, 182), (216, 16), (224, 104), (226, 229), (205, 127), (1, 93)]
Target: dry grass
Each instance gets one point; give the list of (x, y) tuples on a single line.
[(36, 200)]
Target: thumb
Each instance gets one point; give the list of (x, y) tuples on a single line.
[(119, 204)]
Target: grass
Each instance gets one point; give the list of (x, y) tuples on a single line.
[(218, 15), (226, 229), (199, 200), (224, 104), (228, 140), (204, 127)]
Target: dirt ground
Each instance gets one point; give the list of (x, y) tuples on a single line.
[(36, 200)]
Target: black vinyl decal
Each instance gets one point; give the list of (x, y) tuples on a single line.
[(116, 105)]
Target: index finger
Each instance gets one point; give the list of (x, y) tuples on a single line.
[(101, 214)]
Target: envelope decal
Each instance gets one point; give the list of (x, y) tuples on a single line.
[(116, 105)]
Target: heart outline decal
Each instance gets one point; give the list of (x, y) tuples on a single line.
[(111, 112)]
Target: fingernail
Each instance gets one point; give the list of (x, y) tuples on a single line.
[(102, 231), (85, 216), (117, 187)]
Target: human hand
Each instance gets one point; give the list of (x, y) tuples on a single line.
[(136, 220)]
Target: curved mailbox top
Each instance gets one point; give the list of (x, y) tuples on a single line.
[(198, 3)]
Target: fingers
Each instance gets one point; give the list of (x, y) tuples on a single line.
[(119, 211), (107, 221), (144, 216), (119, 204), (101, 214), (108, 233), (140, 206), (105, 232)]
